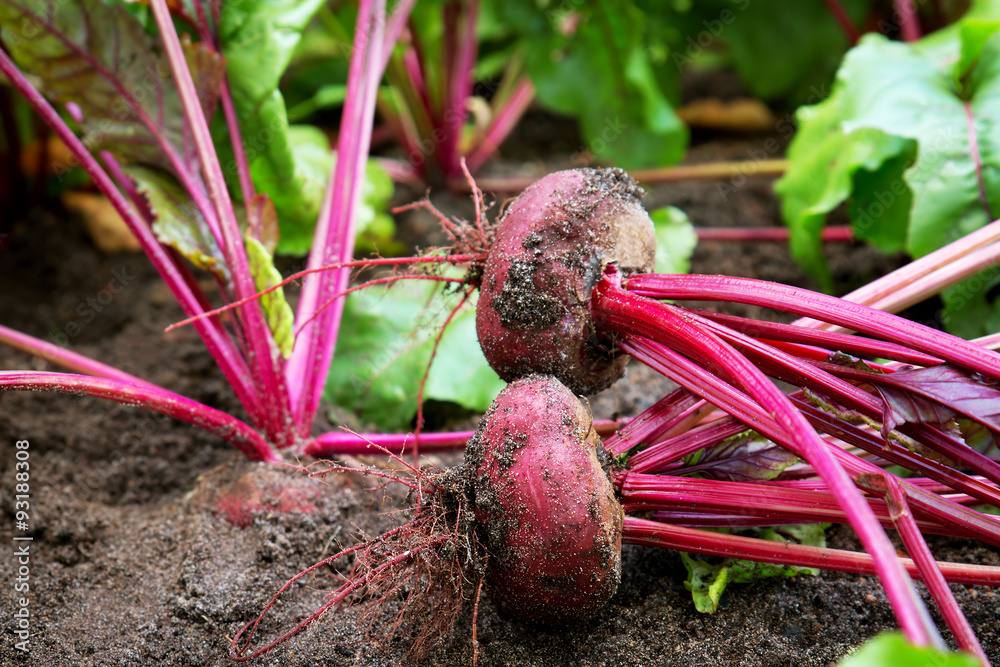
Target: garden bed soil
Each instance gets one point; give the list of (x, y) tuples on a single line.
[(140, 557)]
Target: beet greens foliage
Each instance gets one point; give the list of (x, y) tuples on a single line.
[(908, 138)]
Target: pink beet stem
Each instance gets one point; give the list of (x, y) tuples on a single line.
[(615, 309), (692, 540), (262, 356), (146, 396)]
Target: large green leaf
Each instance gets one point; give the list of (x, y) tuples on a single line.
[(823, 163), (892, 648), (314, 161), (912, 134), (384, 346), (258, 39), (99, 57), (602, 72)]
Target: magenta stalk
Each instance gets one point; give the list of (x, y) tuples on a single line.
[(834, 234), (191, 299), (733, 401), (261, 355), (908, 529), (219, 345), (616, 309), (642, 493), (459, 84), (844, 21), (342, 443), (692, 540), (502, 123), (811, 304), (394, 29), (676, 412), (909, 23), (67, 359), (306, 370), (883, 290), (164, 402)]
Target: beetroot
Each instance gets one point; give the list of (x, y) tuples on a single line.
[(545, 506), (551, 248)]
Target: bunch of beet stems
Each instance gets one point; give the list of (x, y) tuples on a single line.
[(727, 361), (280, 395)]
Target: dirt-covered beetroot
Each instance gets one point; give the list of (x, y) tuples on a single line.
[(545, 506), (551, 246)]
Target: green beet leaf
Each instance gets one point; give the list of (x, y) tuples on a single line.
[(602, 72), (123, 86), (911, 137), (784, 48), (892, 648), (707, 580), (384, 347), (675, 240), (258, 39), (311, 149)]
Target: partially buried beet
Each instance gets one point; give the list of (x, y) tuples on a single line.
[(544, 504), (552, 246)]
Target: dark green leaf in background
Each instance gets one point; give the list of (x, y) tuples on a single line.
[(594, 64)]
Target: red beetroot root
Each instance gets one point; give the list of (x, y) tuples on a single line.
[(545, 506), (532, 506), (551, 246)]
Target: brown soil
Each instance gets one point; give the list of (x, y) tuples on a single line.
[(138, 555)]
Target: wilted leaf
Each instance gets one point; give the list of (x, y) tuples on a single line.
[(708, 580), (177, 221), (277, 312)]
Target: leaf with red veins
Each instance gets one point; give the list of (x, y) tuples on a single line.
[(99, 57), (936, 395), (749, 457)]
